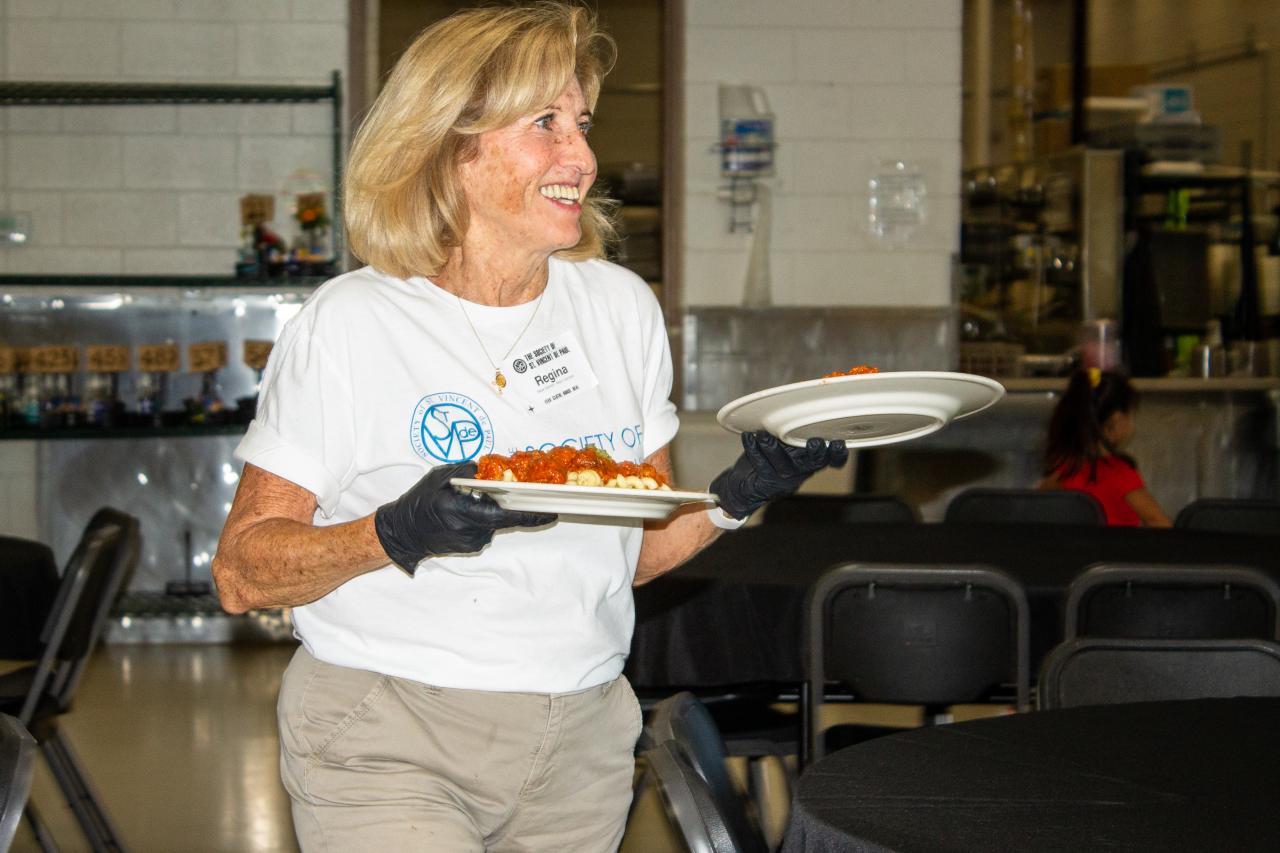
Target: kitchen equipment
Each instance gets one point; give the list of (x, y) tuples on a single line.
[(1208, 361), (1245, 358)]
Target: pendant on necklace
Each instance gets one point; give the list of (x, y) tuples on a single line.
[(499, 381)]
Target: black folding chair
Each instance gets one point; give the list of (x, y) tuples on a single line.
[(1231, 515), (28, 585), (690, 803), (840, 509), (1087, 671), (1172, 602), (1023, 506), (39, 694), (686, 721), (914, 635), (17, 766)]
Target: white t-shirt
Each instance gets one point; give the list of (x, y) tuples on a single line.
[(378, 379)]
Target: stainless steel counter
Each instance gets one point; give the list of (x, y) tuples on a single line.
[(1164, 385), (1195, 438)]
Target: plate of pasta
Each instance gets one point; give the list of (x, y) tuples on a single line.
[(864, 407), (569, 481)]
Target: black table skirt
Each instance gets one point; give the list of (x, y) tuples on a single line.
[(1167, 776), (734, 614), (28, 584)]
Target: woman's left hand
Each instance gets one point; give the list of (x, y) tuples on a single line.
[(769, 469)]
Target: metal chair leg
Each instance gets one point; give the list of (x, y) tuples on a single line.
[(44, 838), (806, 723), (80, 795)]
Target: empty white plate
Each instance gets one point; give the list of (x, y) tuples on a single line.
[(866, 410)]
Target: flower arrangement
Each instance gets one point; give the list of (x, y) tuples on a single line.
[(310, 211)]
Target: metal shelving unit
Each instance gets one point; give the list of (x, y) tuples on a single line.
[(59, 94), (186, 465), (99, 433), (1222, 196), (186, 282)]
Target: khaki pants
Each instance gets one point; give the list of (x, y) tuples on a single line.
[(388, 765)]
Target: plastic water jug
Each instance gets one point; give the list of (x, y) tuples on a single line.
[(746, 132)]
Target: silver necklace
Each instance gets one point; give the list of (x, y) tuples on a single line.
[(500, 381)]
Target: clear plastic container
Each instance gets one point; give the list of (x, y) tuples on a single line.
[(1100, 345)]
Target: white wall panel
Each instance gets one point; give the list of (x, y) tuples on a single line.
[(232, 10), (40, 161), (293, 51), (851, 56), (187, 154), (852, 83), (741, 55), (18, 489), (93, 219), (62, 50), (178, 50)]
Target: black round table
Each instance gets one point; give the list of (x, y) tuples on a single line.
[(1162, 776)]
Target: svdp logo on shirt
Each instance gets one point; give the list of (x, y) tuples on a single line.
[(450, 428)]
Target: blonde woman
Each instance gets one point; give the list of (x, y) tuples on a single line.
[(459, 682)]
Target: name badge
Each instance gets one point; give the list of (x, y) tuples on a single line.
[(552, 372)]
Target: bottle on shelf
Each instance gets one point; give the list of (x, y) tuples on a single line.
[(27, 412), (155, 363), (256, 353), (8, 386), (56, 366), (105, 362), (207, 358)]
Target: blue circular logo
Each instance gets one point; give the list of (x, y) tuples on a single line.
[(450, 428)]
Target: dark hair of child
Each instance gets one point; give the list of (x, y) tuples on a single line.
[(1076, 436)]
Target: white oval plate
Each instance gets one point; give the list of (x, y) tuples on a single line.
[(865, 410), (583, 500)]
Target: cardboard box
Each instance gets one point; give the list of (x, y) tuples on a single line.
[(1053, 84)]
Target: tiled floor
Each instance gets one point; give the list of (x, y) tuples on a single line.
[(180, 741)]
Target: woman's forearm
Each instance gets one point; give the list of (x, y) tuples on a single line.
[(279, 562), (670, 544), (271, 555)]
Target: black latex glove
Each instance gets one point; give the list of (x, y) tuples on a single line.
[(769, 469), (433, 518)]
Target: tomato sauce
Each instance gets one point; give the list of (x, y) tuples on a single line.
[(857, 370), (589, 466)]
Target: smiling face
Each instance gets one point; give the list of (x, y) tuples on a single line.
[(524, 185)]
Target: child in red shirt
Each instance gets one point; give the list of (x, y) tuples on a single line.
[(1090, 425)]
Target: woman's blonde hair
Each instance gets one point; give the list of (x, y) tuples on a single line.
[(477, 70)]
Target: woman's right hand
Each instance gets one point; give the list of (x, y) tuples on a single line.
[(769, 469), (433, 519)]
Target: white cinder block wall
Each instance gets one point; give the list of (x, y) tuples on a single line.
[(155, 189), (152, 189), (852, 83)]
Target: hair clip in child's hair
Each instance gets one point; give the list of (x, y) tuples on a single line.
[(1095, 376)]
